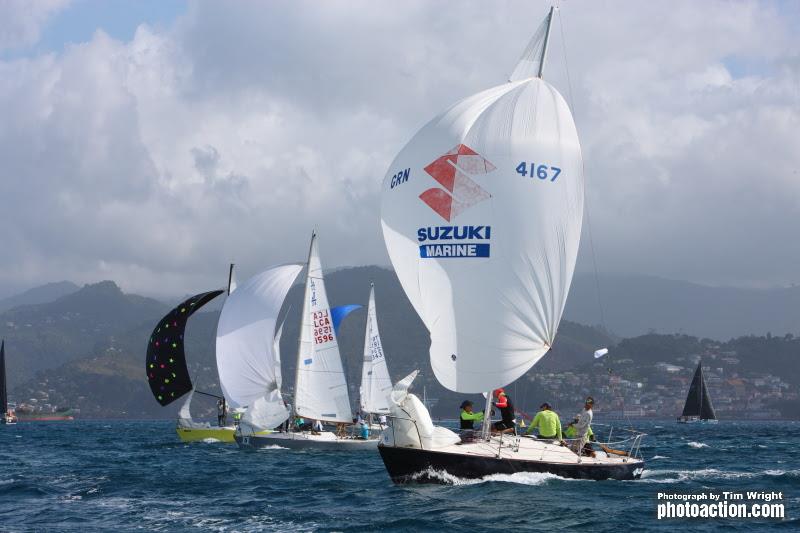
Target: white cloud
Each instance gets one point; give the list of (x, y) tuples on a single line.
[(21, 21), (230, 136)]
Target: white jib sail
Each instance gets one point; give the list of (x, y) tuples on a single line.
[(375, 383), (248, 367), (185, 413), (321, 386), (481, 213)]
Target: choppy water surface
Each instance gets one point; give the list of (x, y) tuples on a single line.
[(138, 476)]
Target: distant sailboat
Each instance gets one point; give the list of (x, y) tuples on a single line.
[(376, 385), (320, 391), (168, 374), (698, 406), (481, 214), (9, 417)]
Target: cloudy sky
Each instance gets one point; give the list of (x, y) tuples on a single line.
[(154, 142)]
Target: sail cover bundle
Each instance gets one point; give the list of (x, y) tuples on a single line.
[(481, 213), (247, 361), (165, 365)]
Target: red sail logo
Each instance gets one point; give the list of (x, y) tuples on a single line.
[(452, 170)]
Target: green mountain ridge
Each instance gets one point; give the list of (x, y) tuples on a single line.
[(86, 350)]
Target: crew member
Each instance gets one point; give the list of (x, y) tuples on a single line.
[(571, 433), (222, 412), (547, 422), (503, 402), (584, 421), (468, 418)]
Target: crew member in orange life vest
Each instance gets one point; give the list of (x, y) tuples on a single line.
[(503, 402)]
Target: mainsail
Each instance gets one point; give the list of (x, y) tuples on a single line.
[(698, 402), (375, 382), (165, 364), (249, 368), (3, 385), (320, 386), (481, 214)]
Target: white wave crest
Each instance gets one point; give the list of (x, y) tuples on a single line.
[(444, 477), (676, 476), (521, 478), (698, 445), (525, 478), (210, 440), (272, 447)]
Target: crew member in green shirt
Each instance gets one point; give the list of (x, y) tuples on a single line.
[(572, 433), (548, 423), (468, 418)]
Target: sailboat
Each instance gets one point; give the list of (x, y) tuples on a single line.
[(481, 214), (698, 406), (320, 391), (376, 385), (9, 417), (168, 374)]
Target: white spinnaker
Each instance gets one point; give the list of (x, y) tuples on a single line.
[(249, 370), (321, 386), (492, 311), (276, 349), (375, 383)]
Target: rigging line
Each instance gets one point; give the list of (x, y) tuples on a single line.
[(583, 169), (588, 213)]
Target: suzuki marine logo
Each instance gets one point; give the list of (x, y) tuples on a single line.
[(452, 171)]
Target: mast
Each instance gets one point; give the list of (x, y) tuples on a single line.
[(546, 41), (303, 312), (702, 389), (3, 392), (231, 281), (487, 418)]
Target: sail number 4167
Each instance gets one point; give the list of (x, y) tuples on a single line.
[(543, 172)]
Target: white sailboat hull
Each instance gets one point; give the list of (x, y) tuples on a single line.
[(324, 440)]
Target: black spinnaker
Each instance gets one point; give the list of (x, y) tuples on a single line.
[(166, 361), (698, 403)]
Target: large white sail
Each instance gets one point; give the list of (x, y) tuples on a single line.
[(375, 382), (481, 214), (321, 386), (249, 369)]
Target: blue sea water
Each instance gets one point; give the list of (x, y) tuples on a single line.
[(137, 476)]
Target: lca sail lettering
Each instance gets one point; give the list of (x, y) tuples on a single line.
[(323, 331)]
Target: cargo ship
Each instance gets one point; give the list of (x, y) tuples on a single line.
[(29, 415)]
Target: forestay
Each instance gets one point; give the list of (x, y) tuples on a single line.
[(375, 382), (249, 369), (481, 213), (321, 386)]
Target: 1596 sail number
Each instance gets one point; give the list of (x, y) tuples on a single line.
[(543, 172)]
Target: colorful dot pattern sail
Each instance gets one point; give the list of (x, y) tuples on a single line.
[(166, 368)]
